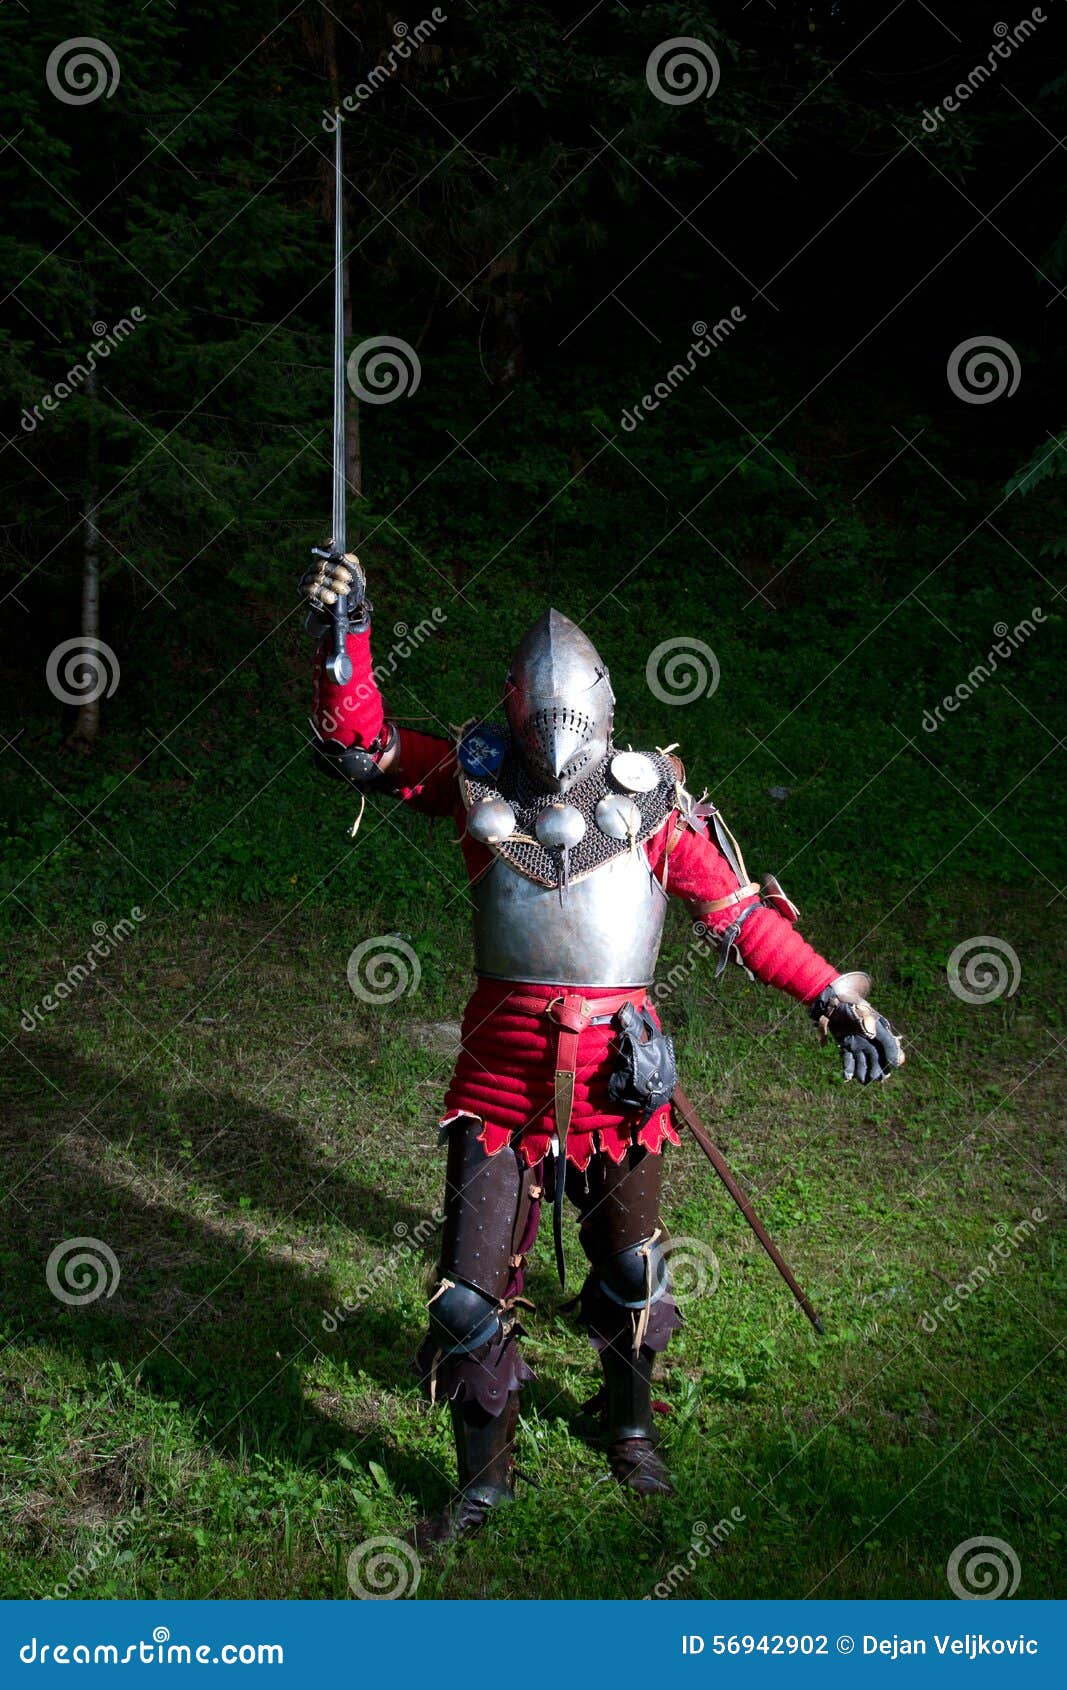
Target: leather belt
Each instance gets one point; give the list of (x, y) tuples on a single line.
[(571, 1013)]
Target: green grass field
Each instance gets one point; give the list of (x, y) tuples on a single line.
[(257, 1147)]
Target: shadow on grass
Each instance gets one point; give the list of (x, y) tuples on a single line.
[(223, 1315)]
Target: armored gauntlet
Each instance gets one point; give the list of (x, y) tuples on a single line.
[(870, 1049)]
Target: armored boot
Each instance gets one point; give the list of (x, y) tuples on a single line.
[(485, 1450), (631, 1435)]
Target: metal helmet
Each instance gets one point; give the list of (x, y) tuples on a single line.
[(558, 702)]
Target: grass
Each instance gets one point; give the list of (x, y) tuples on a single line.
[(257, 1147)]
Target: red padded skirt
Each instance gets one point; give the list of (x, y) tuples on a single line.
[(504, 1076)]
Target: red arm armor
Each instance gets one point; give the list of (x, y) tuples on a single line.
[(422, 770), (694, 869)]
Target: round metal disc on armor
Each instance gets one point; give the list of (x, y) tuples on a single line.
[(561, 826), (618, 816), (634, 772), (491, 820)]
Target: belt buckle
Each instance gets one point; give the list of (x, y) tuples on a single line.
[(576, 1015)]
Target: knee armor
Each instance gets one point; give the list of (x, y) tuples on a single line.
[(635, 1276), (462, 1319)]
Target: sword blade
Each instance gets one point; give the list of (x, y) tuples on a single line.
[(339, 544)]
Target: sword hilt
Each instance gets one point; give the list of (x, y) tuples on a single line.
[(338, 664)]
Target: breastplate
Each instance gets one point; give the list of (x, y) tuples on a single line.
[(606, 933)]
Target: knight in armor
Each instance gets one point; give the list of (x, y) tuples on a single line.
[(563, 1083)]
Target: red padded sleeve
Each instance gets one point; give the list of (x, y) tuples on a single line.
[(696, 870), (424, 773), (353, 712)]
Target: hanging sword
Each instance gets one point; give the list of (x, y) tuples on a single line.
[(339, 664)]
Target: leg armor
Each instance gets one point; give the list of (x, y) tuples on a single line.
[(470, 1354), (626, 1306)]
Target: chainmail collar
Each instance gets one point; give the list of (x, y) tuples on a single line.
[(513, 783)]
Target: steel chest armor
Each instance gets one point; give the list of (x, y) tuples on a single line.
[(569, 898), (606, 932)]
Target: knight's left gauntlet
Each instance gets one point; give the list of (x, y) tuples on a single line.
[(870, 1049)]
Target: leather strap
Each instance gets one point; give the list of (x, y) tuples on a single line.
[(701, 907), (571, 1013)]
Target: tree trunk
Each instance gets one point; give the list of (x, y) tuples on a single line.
[(87, 725)]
